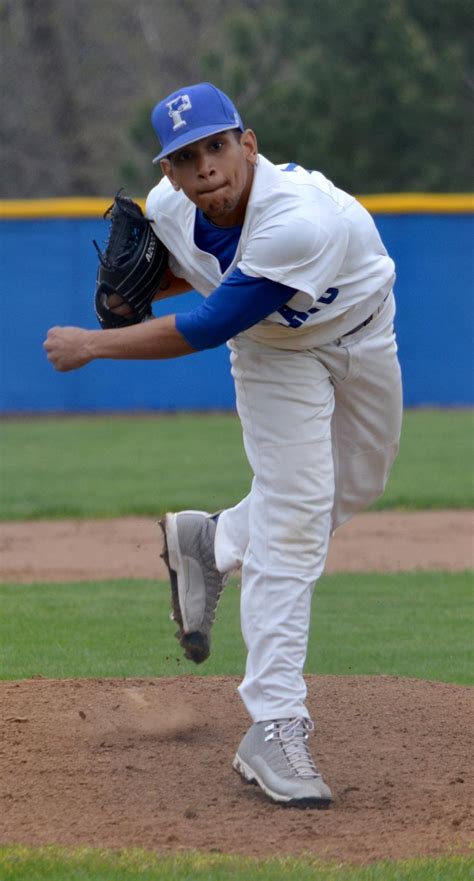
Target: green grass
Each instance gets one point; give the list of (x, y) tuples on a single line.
[(434, 468), (109, 465), (416, 624), (18, 863)]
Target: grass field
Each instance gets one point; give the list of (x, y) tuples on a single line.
[(417, 624), (55, 864), (109, 466)]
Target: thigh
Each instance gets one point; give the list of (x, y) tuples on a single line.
[(367, 418), (285, 401)]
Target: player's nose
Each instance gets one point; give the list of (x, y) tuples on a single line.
[(205, 165)]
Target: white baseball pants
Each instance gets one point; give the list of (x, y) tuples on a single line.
[(321, 429)]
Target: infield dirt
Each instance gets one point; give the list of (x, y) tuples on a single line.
[(147, 763), (76, 550)]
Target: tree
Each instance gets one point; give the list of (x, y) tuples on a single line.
[(375, 94), (82, 78)]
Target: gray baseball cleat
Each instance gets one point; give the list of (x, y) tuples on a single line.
[(276, 756), (196, 584)]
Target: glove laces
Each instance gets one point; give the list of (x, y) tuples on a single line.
[(292, 735), (124, 235)]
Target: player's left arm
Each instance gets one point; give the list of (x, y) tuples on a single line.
[(171, 286)]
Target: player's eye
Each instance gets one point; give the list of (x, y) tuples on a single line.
[(216, 145)]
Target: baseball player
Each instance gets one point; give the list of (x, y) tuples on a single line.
[(297, 281)]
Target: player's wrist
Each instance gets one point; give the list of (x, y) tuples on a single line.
[(93, 344)]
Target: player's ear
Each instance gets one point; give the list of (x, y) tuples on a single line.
[(248, 140), (167, 170)]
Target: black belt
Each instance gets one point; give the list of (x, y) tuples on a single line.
[(367, 320)]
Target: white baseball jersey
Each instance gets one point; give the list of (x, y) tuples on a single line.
[(299, 230)]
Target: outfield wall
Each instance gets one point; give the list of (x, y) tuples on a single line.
[(48, 271)]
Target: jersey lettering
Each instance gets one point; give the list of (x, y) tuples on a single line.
[(293, 165), (294, 318)]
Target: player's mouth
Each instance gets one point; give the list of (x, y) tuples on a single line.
[(212, 190)]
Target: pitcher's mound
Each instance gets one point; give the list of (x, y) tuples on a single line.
[(147, 763)]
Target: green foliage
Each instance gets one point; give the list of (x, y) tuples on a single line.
[(376, 95), (134, 173), (416, 624), (19, 863), (80, 466)]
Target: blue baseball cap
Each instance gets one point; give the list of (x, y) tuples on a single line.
[(192, 113)]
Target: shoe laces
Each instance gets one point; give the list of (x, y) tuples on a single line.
[(292, 735)]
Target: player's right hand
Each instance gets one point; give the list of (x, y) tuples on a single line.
[(67, 348)]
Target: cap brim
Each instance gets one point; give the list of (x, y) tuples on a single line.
[(197, 135)]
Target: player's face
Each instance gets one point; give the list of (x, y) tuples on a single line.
[(216, 174)]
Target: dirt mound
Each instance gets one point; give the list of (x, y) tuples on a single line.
[(147, 763)]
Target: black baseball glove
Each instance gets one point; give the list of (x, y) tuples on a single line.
[(130, 269)]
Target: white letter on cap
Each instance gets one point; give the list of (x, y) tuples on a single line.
[(176, 108)]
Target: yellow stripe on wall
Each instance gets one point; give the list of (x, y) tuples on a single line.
[(419, 203), (95, 206), (71, 206)]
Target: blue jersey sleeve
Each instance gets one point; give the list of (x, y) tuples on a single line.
[(237, 304)]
